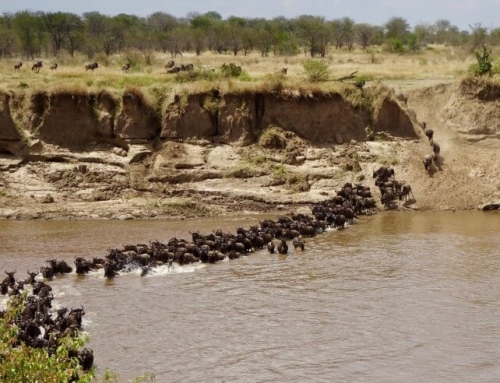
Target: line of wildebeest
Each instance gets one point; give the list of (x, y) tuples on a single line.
[(39, 326), (171, 67)]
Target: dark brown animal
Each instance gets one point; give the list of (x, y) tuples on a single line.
[(126, 67), (91, 66), (405, 193), (428, 162), (170, 64), (53, 66), (18, 65), (37, 66)]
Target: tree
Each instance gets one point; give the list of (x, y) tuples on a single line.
[(7, 41), (59, 26), (312, 31), (364, 34), (478, 36), (103, 34), (30, 32), (397, 28)]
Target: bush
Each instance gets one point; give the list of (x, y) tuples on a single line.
[(230, 70), (484, 62), (316, 70), (25, 364)]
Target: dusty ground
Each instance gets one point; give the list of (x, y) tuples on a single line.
[(192, 179)]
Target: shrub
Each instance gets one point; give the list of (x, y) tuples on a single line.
[(316, 70), (26, 364), (484, 64), (230, 70)]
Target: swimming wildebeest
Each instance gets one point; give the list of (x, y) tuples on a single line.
[(18, 65), (37, 66), (91, 66)]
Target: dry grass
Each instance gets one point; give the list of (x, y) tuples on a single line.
[(374, 64)]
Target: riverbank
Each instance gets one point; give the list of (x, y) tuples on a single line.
[(82, 157)]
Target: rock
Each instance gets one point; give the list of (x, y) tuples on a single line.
[(119, 152), (137, 154), (7, 213), (306, 210), (124, 217), (490, 206), (338, 139), (300, 160)]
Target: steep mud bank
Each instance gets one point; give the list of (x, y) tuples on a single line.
[(86, 155), (77, 119), (470, 108)]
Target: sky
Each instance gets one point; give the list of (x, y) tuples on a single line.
[(460, 12)]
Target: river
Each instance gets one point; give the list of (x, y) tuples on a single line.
[(395, 297)]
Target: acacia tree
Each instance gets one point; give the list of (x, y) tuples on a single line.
[(7, 41), (60, 26), (364, 34), (313, 33), (29, 30), (397, 28)]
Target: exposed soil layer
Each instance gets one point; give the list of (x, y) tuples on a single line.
[(79, 156)]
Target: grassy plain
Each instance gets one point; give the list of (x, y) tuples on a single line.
[(434, 64)]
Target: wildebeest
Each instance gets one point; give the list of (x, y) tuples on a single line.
[(405, 193), (428, 162), (402, 97), (436, 149), (170, 64), (18, 65), (282, 71), (298, 243), (271, 247), (53, 66), (37, 66), (429, 133), (9, 279), (91, 66), (126, 67), (282, 247)]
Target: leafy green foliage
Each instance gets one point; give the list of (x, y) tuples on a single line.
[(230, 70), (20, 363), (316, 70), (484, 64)]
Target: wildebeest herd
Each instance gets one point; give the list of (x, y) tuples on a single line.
[(390, 188), (170, 66), (40, 326)]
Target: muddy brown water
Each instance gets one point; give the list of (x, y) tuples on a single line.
[(395, 297)]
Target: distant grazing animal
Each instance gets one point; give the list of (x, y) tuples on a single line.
[(170, 64), (37, 66), (53, 66), (91, 67), (282, 71), (126, 67), (18, 65)]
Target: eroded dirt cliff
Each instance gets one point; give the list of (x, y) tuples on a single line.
[(91, 155)]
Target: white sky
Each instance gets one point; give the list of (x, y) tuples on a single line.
[(460, 12)]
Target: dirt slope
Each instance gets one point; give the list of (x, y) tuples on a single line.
[(205, 176)]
